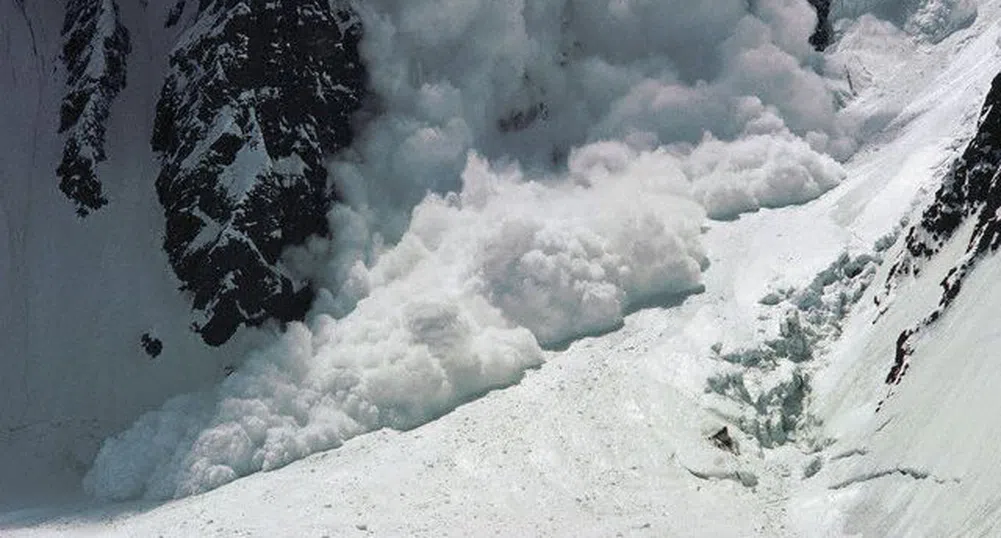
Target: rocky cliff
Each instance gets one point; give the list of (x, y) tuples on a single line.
[(258, 93)]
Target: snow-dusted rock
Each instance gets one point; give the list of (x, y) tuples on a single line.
[(970, 194), (95, 52), (257, 95)]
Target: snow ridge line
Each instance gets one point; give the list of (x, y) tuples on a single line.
[(745, 478)]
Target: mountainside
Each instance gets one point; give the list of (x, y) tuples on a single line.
[(822, 33), (192, 152), (555, 268), (969, 192)]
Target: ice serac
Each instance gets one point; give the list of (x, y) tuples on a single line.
[(95, 51), (971, 190), (258, 93)]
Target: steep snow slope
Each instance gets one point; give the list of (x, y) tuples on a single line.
[(78, 294), (88, 303), (925, 463), (610, 436), (96, 289)]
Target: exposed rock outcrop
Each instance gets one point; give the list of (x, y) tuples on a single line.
[(971, 190), (257, 94), (95, 52)]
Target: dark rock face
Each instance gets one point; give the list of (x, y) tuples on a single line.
[(824, 31), (519, 120), (174, 16), (972, 189), (95, 50), (258, 93)]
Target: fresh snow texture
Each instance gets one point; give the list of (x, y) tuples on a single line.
[(572, 153)]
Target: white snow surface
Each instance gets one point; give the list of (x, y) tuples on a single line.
[(608, 436)]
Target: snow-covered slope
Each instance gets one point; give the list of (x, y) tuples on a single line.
[(78, 294), (563, 223), (612, 435), (94, 325), (910, 395)]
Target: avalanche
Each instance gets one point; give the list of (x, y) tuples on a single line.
[(644, 228), (537, 231)]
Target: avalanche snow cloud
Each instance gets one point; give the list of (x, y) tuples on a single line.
[(531, 172), (933, 20)]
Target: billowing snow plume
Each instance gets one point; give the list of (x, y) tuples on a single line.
[(532, 172), (532, 80), (933, 20), (758, 171)]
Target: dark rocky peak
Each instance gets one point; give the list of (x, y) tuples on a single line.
[(258, 93), (95, 49), (968, 189), (823, 33), (971, 189)]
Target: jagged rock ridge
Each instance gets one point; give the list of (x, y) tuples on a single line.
[(257, 94), (174, 15), (971, 189), (95, 52)]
